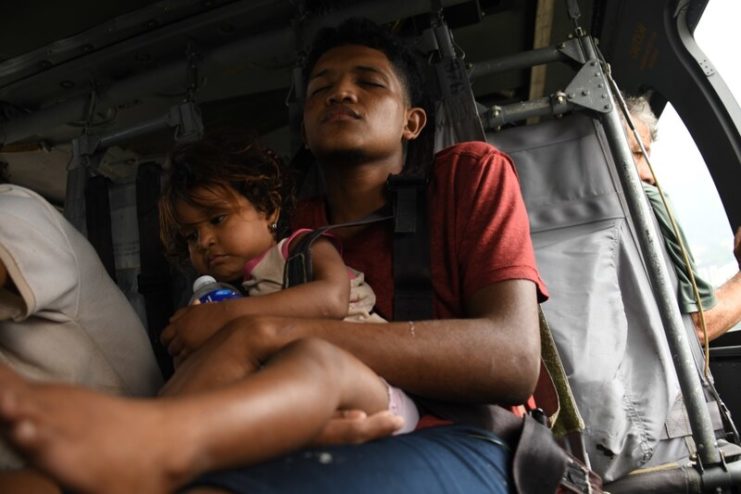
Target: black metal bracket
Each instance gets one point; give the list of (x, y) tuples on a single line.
[(588, 88)]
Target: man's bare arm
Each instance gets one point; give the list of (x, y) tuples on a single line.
[(727, 312), (492, 357)]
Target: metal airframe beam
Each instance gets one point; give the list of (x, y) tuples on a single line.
[(281, 43)]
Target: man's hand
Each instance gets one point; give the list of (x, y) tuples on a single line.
[(191, 326), (233, 352), (355, 427), (727, 312)]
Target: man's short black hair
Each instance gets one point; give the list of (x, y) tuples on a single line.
[(364, 32), (404, 60)]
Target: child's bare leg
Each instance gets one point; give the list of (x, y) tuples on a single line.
[(97, 443)]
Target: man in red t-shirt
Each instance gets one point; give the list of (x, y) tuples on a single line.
[(479, 232), (362, 115), (359, 116)]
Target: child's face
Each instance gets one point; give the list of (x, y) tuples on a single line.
[(224, 236)]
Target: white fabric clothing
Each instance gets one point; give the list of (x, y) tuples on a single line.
[(68, 321), (264, 275)]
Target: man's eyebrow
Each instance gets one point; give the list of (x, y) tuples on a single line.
[(370, 68), (357, 68), (321, 73)]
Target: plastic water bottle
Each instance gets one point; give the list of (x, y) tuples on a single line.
[(207, 289)]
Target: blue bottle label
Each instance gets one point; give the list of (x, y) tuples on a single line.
[(219, 295)]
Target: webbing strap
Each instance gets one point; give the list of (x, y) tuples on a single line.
[(413, 293), (74, 198), (154, 277), (299, 268), (565, 418), (677, 422), (457, 115), (539, 464), (98, 219)]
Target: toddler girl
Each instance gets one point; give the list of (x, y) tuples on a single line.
[(223, 205)]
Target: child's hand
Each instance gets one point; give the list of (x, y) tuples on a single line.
[(191, 326)]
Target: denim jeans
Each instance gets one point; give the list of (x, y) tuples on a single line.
[(452, 459)]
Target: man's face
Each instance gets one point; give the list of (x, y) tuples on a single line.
[(356, 105), (643, 169)]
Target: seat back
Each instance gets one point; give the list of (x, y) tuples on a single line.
[(602, 313)]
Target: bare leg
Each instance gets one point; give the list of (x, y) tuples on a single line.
[(27, 481), (98, 443), (81, 437)]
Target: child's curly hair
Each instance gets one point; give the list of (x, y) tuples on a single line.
[(227, 162)]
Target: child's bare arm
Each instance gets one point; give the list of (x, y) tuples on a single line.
[(327, 297)]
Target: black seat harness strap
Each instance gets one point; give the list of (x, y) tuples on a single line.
[(98, 219), (299, 267), (413, 294), (154, 278)]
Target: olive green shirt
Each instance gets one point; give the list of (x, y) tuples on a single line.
[(685, 294)]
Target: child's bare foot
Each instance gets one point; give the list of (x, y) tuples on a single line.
[(94, 442)]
